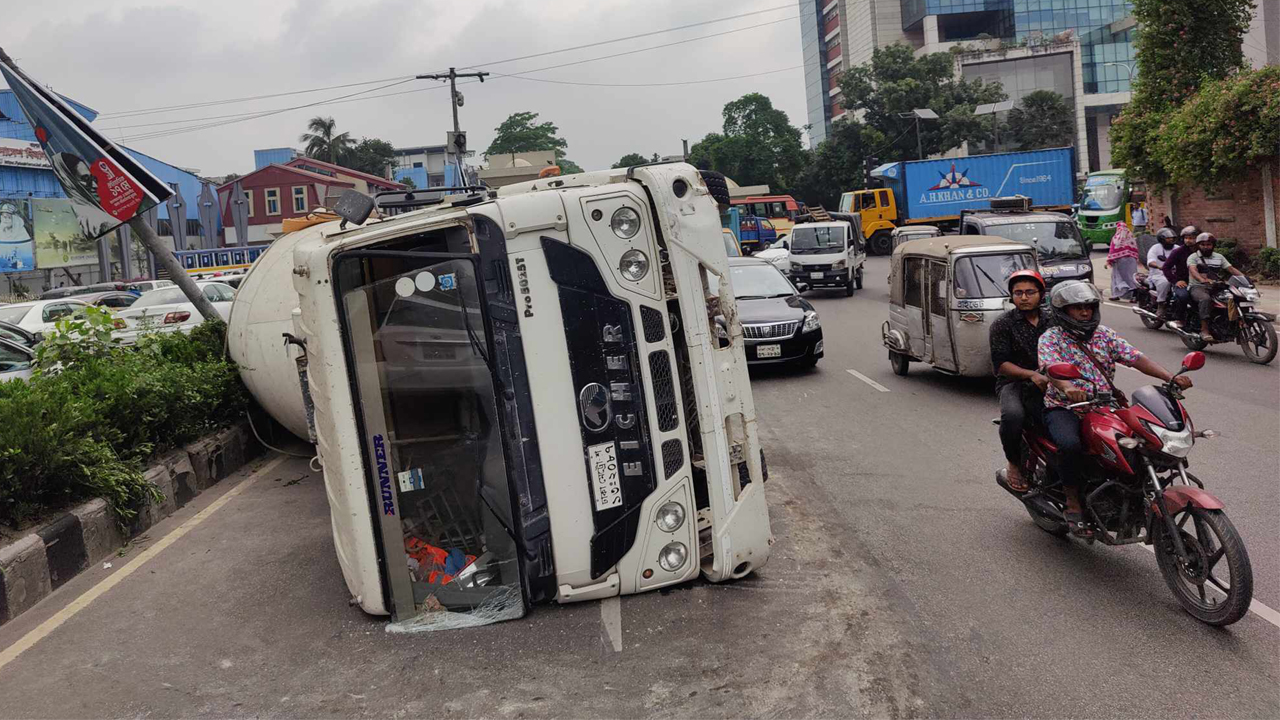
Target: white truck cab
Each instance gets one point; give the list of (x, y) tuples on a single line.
[(521, 398), (827, 254)]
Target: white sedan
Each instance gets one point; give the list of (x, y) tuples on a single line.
[(168, 310), (16, 361), (778, 255), (40, 316)]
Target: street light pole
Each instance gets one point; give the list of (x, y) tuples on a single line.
[(454, 100)]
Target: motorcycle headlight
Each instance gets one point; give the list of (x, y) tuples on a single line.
[(1173, 442), (811, 321), (838, 265), (1250, 294)]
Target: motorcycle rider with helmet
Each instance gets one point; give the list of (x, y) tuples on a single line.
[(1175, 265), (1204, 268), (1014, 338), (1156, 258), (1079, 339)]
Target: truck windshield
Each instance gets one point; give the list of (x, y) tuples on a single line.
[(817, 240), (1052, 239), (984, 276), (1102, 193), (417, 338)]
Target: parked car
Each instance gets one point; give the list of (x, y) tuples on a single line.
[(77, 290), (169, 310), (14, 333), (16, 360), (778, 325), (142, 286), (112, 299), (39, 316)]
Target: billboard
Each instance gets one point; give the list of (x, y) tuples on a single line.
[(105, 186), (17, 229), (60, 240)]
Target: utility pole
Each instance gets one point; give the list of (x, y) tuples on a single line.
[(459, 145)]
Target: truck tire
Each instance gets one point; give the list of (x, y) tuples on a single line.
[(881, 243), (858, 279), (716, 185)]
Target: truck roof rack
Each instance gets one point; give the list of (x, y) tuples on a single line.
[(1016, 203)]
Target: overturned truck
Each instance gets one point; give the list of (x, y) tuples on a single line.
[(517, 397)]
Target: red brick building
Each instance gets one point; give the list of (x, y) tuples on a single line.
[(277, 192), (1237, 212), (362, 181)]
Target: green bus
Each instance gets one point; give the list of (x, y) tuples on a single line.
[(1107, 197)]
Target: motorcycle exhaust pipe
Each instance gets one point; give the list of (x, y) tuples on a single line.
[(1145, 313), (1044, 507)]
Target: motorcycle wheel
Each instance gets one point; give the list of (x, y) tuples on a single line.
[(1258, 341), (1198, 586)]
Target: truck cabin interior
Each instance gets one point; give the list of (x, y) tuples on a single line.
[(419, 356)]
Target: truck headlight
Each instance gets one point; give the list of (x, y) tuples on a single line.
[(839, 265), (673, 556), (625, 223), (796, 267), (670, 516), (811, 321), (634, 264)]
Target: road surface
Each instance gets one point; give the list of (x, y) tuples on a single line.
[(904, 583)]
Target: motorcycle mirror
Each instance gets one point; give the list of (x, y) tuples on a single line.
[(1193, 361), (1065, 371)]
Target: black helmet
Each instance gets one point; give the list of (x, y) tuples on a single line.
[(1076, 292), (1191, 230), (1166, 236)]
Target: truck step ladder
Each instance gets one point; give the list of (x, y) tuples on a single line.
[(819, 215)]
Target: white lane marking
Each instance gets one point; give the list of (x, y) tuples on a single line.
[(611, 619), (868, 380), (24, 643), (1258, 607), (1118, 305)]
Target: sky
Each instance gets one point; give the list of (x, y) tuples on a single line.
[(122, 56)]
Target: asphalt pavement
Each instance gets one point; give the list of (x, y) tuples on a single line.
[(903, 583)]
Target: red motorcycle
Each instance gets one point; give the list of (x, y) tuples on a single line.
[(1138, 489)]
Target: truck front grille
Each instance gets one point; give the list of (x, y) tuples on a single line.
[(664, 390), (672, 457), (654, 329)]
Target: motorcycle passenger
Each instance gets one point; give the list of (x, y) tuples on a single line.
[(1015, 358), (1205, 268), (1079, 339), (1175, 266), (1156, 258)]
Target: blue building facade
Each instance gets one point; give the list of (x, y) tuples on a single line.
[(273, 156)]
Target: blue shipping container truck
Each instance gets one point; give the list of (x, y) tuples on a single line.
[(932, 191)]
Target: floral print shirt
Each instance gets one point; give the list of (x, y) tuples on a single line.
[(1107, 349)]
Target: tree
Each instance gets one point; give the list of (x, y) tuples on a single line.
[(569, 167), (759, 145), (323, 142), (1180, 45), (1043, 119), (632, 159), (896, 81), (370, 155), (838, 165), (519, 133), (408, 182)]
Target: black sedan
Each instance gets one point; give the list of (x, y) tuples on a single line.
[(778, 325)]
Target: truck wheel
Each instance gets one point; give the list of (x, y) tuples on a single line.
[(858, 279), (881, 243), (716, 185), (848, 287)]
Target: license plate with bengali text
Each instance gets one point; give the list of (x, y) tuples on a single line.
[(768, 351), (815, 276), (606, 485)]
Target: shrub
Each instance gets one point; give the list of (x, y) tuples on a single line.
[(95, 412), (1269, 263)]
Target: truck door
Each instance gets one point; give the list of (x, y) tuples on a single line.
[(942, 355), (887, 211), (918, 339)]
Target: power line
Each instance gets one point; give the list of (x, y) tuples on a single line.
[(201, 125), (210, 103), (658, 84)]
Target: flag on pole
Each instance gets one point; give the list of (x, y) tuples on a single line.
[(107, 187)]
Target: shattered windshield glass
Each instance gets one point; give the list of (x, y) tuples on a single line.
[(419, 348)]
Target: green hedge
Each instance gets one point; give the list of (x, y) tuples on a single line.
[(94, 412)]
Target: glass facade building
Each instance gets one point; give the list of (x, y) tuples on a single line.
[(816, 76), (1092, 22)]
